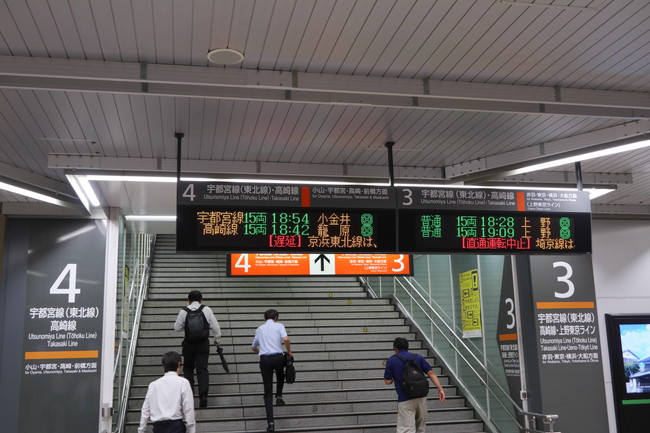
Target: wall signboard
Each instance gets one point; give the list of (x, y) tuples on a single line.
[(470, 304), (569, 357), (507, 335), (58, 266)]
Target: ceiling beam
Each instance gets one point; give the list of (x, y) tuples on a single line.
[(356, 173), (41, 209), (12, 174), (568, 177), (159, 166), (619, 211), (248, 84)]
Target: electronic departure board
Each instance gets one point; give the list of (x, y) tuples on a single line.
[(493, 232), (248, 229), (230, 217)]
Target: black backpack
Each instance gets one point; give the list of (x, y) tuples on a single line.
[(415, 383), (197, 328)]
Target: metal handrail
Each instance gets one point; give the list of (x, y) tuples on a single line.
[(126, 387), (547, 419)]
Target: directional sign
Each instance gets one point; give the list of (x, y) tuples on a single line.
[(322, 264), (319, 264)]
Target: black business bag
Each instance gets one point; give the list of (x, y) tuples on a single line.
[(289, 369)]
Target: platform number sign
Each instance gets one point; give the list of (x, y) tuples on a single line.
[(69, 272)]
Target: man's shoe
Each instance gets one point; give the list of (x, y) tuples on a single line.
[(279, 401), (203, 403), (270, 427)]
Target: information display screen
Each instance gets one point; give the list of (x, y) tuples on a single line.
[(494, 232), (265, 218), (291, 229)]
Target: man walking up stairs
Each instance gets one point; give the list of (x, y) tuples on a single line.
[(342, 338)]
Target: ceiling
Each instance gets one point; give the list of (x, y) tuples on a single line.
[(466, 89)]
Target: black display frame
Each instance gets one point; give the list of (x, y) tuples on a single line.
[(395, 208), (631, 407), (188, 236), (408, 241)]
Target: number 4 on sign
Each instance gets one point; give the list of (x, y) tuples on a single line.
[(71, 290)]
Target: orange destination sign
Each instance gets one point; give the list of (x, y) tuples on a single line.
[(318, 264)]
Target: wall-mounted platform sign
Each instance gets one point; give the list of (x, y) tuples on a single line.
[(243, 265), (247, 217)]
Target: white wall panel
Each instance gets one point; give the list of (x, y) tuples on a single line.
[(621, 261)]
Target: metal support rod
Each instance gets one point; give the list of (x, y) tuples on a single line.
[(578, 176), (179, 138), (391, 174)]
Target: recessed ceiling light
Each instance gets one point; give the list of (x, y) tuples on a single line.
[(225, 56)]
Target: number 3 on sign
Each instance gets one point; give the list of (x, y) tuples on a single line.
[(71, 290), (566, 279)]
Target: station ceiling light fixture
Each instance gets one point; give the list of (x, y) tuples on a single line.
[(225, 56), (32, 194), (583, 155)]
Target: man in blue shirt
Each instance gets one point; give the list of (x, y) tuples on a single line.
[(411, 412), (268, 342)]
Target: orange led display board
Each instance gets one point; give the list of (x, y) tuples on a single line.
[(242, 265)]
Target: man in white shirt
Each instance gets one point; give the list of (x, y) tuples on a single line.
[(268, 342), (196, 353), (169, 404)]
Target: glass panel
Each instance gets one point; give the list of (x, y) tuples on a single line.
[(133, 259), (431, 298)]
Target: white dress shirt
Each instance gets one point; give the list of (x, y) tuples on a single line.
[(168, 398), (268, 338), (209, 315)]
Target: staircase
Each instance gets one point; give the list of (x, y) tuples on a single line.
[(340, 338)]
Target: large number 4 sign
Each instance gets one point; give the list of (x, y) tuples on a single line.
[(70, 270)]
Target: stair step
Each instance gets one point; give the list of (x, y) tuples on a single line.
[(341, 338)]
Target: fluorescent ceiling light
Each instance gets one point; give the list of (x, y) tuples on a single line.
[(130, 178), (77, 188), (84, 191), (581, 157), (597, 192), (150, 217), (89, 191), (31, 194)]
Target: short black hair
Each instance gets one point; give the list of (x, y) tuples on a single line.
[(271, 314), (194, 295), (170, 361), (401, 343)]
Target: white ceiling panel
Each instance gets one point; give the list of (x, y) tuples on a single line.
[(583, 68)]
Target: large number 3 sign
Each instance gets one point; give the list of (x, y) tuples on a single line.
[(565, 279)]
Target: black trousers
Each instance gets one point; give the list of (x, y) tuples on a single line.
[(268, 365), (195, 357), (175, 426)]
